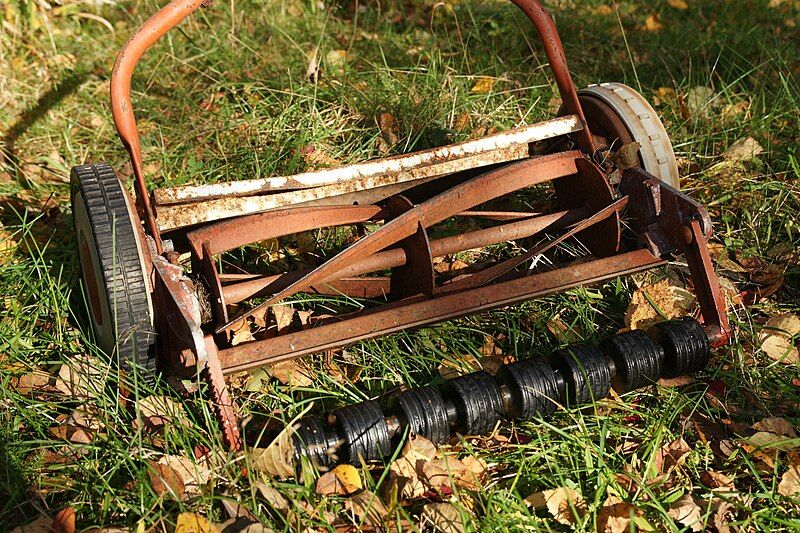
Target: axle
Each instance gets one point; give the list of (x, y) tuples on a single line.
[(475, 403)]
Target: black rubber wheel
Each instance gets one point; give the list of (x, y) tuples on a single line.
[(477, 400), (312, 440), (424, 412), (533, 386), (363, 429), (685, 344), (638, 360), (585, 371), (113, 267)]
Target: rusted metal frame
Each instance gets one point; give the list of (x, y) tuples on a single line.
[(504, 267), (497, 148), (241, 287), (416, 275), (476, 191), (706, 284), (548, 34), (121, 106), (421, 311), (222, 401)]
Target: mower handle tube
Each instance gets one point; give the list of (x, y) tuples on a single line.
[(173, 13)]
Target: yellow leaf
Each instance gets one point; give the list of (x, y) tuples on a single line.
[(194, 523), (678, 4), (652, 23), (776, 339), (341, 481), (483, 85), (565, 504)]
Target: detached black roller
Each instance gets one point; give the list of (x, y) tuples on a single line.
[(638, 360), (424, 412), (111, 255), (312, 440), (586, 374), (478, 402), (533, 386), (685, 344), (362, 427)]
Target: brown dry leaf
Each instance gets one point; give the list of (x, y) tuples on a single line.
[(456, 365), (284, 316), (160, 410), (671, 300), (275, 499), (442, 472), (678, 4), (443, 517), (404, 473), (685, 511), (389, 129), (32, 381), (165, 481), (652, 23), (82, 377), (627, 156), (312, 71), (565, 504), (717, 481), (336, 59), (319, 157), (194, 523), (242, 335), (699, 101), (193, 476), (671, 455), (43, 524), (615, 516), (778, 426), (563, 332), (367, 508), (723, 515), (743, 150), (7, 246), (776, 338), (293, 373), (483, 85), (64, 521), (790, 482), (341, 481), (277, 459)]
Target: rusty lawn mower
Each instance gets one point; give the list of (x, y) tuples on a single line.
[(152, 308)]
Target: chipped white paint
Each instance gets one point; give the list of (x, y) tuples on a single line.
[(371, 169), (363, 191)]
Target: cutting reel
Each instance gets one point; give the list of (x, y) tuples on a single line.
[(162, 294)]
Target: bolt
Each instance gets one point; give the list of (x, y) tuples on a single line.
[(686, 235)]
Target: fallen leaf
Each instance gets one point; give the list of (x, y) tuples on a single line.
[(565, 504), (615, 516), (336, 59), (655, 302), (627, 156), (160, 410), (82, 377), (562, 331), (652, 23), (671, 455), (778, 426), (165, 481), (723, 514), (43, 524), (443, 517), (743, 150), (194, 523), (64, 521), (275, 499), (367, 508), (312, 71), (483, 85), (442, 472), (389, 129), (790, 482), (294, 373), (32, 381), (193, 476), (717, 481), (776, 338), (678, 4), (404, 473), (242, 335), (284, 316), (685, 511), (277, 459), (341, 481)]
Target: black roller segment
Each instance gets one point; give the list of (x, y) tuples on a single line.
[(363, 429), (586, 373), (424, 412), (533, 386), (478, 402), (637, 358), (685, 344), (312, 440)]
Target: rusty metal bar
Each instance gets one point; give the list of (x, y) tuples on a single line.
[(396, 257), (419, 312), (459, 198)]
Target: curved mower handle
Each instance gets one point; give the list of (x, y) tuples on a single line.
[(173, 13)]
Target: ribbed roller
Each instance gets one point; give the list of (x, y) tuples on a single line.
[(363, 428), (534, 391), (685, 344), (478, 402), (423, 410), (585, 372), (637, 358)]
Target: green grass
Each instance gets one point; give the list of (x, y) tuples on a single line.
[(226, 97)]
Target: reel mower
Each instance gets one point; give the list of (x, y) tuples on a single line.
[(161, 299)]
